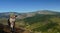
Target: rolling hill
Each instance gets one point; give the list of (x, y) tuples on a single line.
[(29, 14), (43, 21)]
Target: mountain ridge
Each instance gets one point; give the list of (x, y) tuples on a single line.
[(29, 14)]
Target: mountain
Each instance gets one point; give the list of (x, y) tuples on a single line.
[(47, 12), (42, 21), (29, 14)]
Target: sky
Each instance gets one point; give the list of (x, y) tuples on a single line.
[(23, 6)]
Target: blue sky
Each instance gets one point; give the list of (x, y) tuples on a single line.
[(29, 5)]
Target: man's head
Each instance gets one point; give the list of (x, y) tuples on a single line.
[(12, 15)]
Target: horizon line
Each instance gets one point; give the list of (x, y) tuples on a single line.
[(31, 11)]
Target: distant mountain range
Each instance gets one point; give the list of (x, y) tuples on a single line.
[(29, 14), (44, 21)]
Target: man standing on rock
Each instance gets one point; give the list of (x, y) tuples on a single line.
[(11, 22)]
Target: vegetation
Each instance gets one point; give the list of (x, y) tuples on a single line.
[(39, 23), (44, 23)]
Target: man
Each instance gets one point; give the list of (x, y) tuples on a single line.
[(11, 21)]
